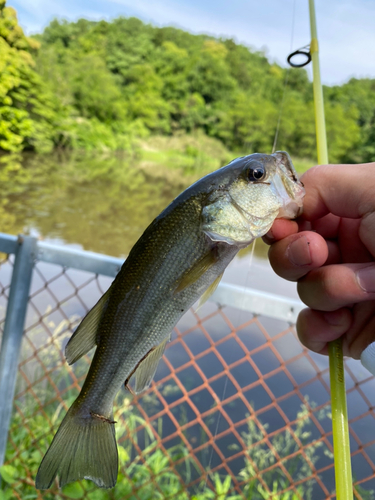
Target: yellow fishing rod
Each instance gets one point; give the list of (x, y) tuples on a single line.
[(340, 428)]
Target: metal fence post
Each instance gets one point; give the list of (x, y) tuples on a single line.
[(13, 331)]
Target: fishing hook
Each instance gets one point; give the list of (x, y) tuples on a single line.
[(302, 51)]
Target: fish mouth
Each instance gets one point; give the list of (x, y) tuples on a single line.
[(291, 194), (290, 211), (285, 164), (287, 186)]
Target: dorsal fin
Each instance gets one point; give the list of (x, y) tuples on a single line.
[(84, 338)]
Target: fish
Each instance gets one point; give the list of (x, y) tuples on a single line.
[(179, 259)]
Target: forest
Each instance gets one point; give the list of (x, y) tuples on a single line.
[(101, 85)]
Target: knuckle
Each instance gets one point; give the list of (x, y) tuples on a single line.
[(319, 290)]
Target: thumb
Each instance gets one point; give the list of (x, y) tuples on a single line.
[(343, 190)]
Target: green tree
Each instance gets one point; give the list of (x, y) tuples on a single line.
[(26, 111), (99, 85), (357, 98)]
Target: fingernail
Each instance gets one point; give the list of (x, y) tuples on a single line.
[(366, 278), (298, 252), (269, 237)]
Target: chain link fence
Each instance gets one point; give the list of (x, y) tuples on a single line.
[(238, 408)]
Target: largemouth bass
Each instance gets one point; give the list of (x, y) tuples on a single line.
[(179, 258)]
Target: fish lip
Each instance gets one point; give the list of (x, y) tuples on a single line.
[(290, 211), (284, 163), (290, 189), (291, 196)]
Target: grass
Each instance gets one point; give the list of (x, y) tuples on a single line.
[(303, 164), (195, 154), (157, 473), (157, 477)]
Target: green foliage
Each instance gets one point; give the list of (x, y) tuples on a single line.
[(261, 457), (93, 80), (357, 99), (26, 114), (155, 478)]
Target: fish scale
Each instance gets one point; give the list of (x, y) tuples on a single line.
[(144, 310), (180, 257)]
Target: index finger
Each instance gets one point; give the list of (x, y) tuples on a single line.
[(281, 228), (343, 190)]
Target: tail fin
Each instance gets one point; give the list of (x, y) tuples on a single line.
[(84, 447)]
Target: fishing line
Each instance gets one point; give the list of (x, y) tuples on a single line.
[(251, 259), (217, 426), (242, 304), (340, 425), (253, 244), (286, 79), (252, 249)]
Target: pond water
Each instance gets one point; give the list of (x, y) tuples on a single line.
[(103, 204)]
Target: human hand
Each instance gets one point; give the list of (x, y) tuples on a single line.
[(330, 252)]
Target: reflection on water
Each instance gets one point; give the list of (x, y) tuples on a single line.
[(101, 203)]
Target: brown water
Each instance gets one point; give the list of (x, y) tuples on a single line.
[(104, 203), (101, 203)]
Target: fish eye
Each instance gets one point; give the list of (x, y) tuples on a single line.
[(255, 171)]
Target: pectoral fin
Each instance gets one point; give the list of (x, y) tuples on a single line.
[(210, 290), (145, 370), (197, 270), (84, 338)]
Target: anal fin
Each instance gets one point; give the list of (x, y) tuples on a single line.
[(145, 370), (84, 338)]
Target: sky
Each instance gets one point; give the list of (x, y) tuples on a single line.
[(345, 27)]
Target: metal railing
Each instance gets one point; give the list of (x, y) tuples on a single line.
[(235, 393)]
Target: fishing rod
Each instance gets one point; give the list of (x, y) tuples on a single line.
[(340, 428)]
